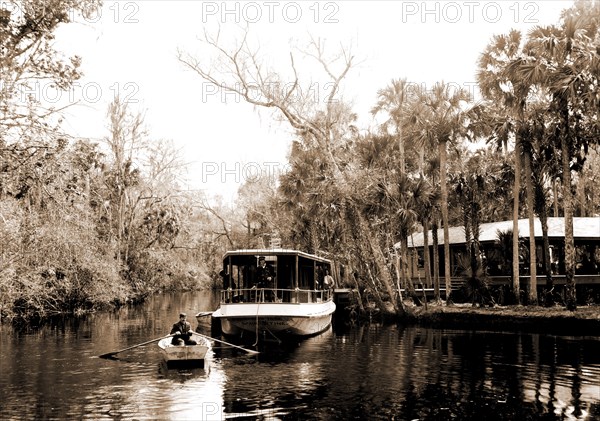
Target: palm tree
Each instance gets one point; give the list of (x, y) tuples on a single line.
[(393, 100), (570, 54), (544, 170), (443, 120), (425, 200), (506, 74), (431, 172)]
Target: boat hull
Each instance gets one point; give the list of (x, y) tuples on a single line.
[(184, 355), (277, 318)]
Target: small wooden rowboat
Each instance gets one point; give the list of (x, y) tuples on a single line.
[(184, 355)]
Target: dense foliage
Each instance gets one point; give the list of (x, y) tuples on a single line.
[(358, 197), (85, 225)]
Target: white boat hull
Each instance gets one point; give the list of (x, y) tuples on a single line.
[(287, 318), (184, 354)]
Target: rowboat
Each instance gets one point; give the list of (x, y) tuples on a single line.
[(290, 300), (184, 355)]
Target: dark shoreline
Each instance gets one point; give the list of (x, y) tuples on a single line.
[(585, 321)]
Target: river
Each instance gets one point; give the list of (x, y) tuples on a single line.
[(349, 372)]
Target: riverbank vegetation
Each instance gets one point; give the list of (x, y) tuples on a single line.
[(538, 319), (436, 158), (87, 224), (83, 224)]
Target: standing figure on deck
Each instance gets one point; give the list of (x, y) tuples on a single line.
[(328, 281), (265, 278), (264, 274)]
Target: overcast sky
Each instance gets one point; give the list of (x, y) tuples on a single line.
[(130, 47)]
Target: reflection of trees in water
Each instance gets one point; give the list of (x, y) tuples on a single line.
[(576, 391), (377, 372), (494, 376), (255, 387), (422, 374)]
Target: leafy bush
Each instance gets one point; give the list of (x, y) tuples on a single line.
[(154, 270)]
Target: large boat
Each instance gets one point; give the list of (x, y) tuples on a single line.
[(275, 292)]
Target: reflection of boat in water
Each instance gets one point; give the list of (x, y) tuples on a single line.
[(184, 355), (275, 291), (282, 381)]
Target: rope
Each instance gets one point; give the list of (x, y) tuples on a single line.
[(257, 307), (273, 335)]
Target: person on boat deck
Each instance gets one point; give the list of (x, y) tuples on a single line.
[(264, 274), (328, 281), (182, 331), (228, 285), (319, 277), (265, 278), (227, 281)]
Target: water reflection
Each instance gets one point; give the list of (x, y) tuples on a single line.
[(363, 372)]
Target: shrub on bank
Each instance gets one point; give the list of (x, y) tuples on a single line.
[(55, 264), (150, 271)]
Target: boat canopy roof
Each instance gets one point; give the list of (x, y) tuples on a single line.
[(274, 252)]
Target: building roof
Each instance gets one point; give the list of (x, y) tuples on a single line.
[(583, 229)]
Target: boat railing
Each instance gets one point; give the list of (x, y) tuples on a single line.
[(275, 295)]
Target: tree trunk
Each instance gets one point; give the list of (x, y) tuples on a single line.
[(547, 263), (476, 225), (469, 241), (436, 261), (555, 192), (407, 281), (533, 297), (571, 299), (516, 287), (378, 258), (401, 150), (444, 200), (426, 263)]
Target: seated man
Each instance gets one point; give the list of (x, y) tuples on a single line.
[(182, 330)]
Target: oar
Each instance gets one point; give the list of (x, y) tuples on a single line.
[(249, 351), (110, 354)]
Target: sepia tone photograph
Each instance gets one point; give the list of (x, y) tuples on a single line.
[(299, 210)]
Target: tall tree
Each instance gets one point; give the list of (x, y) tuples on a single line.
[(570, 56), (394, 100), (444, 120), (127, 137), (30, 66), (506, 74), (242, 71)]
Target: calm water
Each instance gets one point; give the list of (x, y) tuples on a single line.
[(366, 373)]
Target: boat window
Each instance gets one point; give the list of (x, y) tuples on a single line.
[(243, 271), (286, 269), (306, 273)]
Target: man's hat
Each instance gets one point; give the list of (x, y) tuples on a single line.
[(182, 315), (261, 258)]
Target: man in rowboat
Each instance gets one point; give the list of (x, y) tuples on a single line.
[(182, 331)]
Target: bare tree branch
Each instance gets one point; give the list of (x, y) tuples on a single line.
[(262, 89)]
